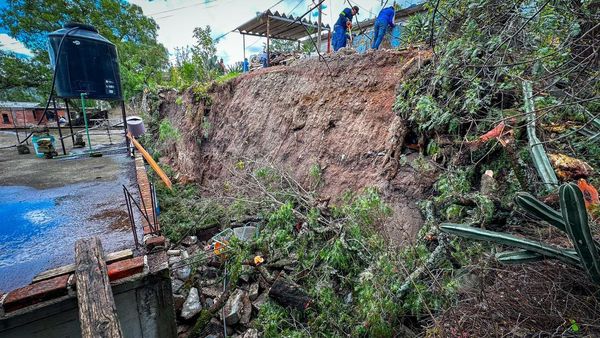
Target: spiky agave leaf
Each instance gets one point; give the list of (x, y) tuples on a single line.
[(572, 207), (543, 249)]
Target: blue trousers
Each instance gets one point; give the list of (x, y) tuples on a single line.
[(339, 37), (379, 32)]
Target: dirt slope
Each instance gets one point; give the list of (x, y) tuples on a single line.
[(336, 114)]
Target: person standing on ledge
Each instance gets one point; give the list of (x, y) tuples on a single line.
[(341, 26), (384, 19)]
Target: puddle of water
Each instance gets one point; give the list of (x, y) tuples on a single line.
[(39, 228)]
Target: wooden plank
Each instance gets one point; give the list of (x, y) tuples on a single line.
[(63, 270), (97, 310)]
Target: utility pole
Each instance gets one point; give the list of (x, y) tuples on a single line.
[(319, 29)]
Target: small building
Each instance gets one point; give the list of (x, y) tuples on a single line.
[(364, 30), (27, 114)]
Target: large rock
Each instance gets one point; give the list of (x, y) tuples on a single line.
[(176, 285), (183, 272), (211, 292), (250, 333), (253, 291), (234, 307), (247, 309), (189, 240), (178, 301), (192, 305), (260, 300)]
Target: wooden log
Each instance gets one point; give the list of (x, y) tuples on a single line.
[(63, 270), (289, 294), (97, 310)]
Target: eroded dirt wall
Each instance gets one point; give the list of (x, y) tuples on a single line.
[(335, 114)]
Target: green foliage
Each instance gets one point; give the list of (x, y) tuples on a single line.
[(141, 58), (167, 132), (573, 220), (197, 63), (183, 211), (22, 79)]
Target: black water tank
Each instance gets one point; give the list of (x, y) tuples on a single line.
[(87, 63)]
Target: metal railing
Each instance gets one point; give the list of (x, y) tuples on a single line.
[(150, 219)]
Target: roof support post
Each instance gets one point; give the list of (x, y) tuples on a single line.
[(268, 47), (244, 44), (319, 30)]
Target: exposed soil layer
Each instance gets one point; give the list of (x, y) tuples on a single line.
[(336, 115)]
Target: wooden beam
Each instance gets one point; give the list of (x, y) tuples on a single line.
[(151, 161), (63, 270), (268, 49), (97, 310)]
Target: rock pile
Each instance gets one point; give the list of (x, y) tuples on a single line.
[(208, 303)]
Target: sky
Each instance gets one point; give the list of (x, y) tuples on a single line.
[(178, 18)]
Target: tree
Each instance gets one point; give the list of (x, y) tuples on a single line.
[(142, 59), (196, 63), (18, 75)]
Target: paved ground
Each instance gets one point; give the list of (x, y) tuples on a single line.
[(48, 204)]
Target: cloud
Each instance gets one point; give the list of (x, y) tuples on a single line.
[(8, 43)]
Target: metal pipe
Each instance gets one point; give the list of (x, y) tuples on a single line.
[(70, 123), (87, 131), (131, 219), (62, 142), (124, 122)]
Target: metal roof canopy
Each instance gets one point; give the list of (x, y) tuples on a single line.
[(279, 26)]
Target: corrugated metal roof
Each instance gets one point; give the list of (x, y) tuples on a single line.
[(18, 105), (280, 26)]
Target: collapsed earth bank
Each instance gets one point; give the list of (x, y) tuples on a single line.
[(333, 118)]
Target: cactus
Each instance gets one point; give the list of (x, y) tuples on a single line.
[(572, 206), (543, 249), (540, 158), (573, 220)]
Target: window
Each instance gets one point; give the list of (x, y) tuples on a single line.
[(5, 119)]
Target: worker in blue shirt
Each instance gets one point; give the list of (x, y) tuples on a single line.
[(384, 19), (245, 66), (342, 25)]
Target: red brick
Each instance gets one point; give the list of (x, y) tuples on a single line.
[(36, 293), (153, 242), (126, 268)]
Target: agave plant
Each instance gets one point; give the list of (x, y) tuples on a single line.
[(572, 219)]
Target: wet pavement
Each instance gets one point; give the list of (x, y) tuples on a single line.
[(47, 205)]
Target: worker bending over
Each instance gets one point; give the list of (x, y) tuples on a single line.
[(384, 19), (342, 27)]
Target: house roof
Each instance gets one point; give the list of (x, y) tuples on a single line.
[(18, 105), (280, 26)]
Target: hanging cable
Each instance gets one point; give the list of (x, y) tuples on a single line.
[(53, 80)]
